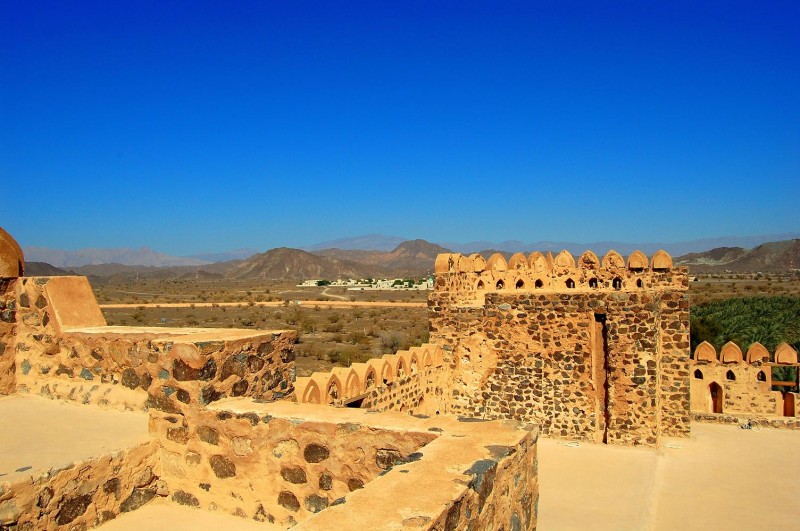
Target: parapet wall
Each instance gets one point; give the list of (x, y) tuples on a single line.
[(409, 380), (733, 383), (282, 470), (594, 350), (135, 368), (467, 278)]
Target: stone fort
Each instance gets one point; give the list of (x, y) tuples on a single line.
[(214, 421)]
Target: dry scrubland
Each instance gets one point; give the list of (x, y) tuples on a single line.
[(327, 336), (341, 336)]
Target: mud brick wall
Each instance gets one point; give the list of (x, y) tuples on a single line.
[(272, 469), (570, 360), (744, 394), (85, 494), (141, 370), (8, 318)]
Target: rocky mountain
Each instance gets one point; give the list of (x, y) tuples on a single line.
[(410, 258), (295, 264), (43, 269), (768, 257), (236, 254)]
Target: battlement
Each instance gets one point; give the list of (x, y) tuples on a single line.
[(474, 275), (357, 382), (757, 354)]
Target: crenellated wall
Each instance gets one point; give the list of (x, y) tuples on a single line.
[(409, 380), (468, 278), (733, 383), (590, 349)]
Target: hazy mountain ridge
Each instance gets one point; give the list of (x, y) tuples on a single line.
[(413, 257), (367, 242), (296, 264), (768, 257), (143, 256)]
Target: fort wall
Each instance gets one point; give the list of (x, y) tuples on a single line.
[(410, 380), (8, 321), (733, 383), (594, 349), (66, 352)]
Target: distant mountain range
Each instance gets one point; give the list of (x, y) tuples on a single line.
[(125, 256), (411, 258), (767, 257), (368, 242)]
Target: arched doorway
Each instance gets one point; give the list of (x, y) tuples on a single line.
[(716, 397), (788, 405)]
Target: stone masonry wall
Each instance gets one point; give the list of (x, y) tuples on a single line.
[(84, 494), (420, 393), (272, 469), (8, 318), (112, 366), (410, 380), (589, 352)]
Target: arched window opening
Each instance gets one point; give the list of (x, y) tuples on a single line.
[(698, 374), (520, 284), (593, 283), (639, 283), (333, 391), (616, 283), (481, 285), (761, 376), (539, 284), (730, 376), (370, 380), (500, 284), (570, 283)]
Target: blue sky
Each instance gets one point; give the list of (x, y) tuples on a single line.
[(207, 126)]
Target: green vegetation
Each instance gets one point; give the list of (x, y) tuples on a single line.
[(768, 320)]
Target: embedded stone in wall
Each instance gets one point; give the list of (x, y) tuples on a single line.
[(289, 501), (294, 474), (315, 453), (222, 466)]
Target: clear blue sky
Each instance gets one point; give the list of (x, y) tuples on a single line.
[(206, 126)]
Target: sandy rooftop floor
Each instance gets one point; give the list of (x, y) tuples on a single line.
[(722, 477), (39, 434)]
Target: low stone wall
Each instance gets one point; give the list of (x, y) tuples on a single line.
[(474, 475), (85, 494), (136, 368), (241, 459), (787, 423)]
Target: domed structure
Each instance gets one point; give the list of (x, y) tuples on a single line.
[(12, 261)]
